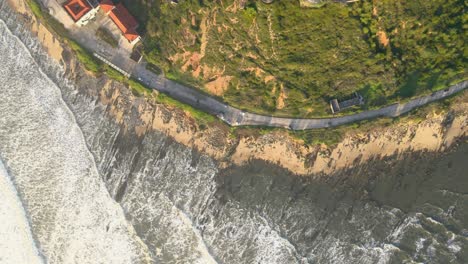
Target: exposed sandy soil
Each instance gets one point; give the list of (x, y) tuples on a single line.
[(193, 61), (50, 43), (143, 115), (282, 96), (383, 39), (275, 148), (219, 85), (19, 6), (429, 135), (272, 37), (308, 3), (258, 71), (204, 38), (216, 82), (269, 78), (236, 6)]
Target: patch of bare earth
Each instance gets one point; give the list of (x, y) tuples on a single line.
[(429, 135), (272, 36), (216, 82), (193, 62), (49, 42), (19, 6), (258, 71), (282, 96), (269, 78), (432, 134), (219, 85), (204, 27), (193, 19), (383, 38), (236, 6)]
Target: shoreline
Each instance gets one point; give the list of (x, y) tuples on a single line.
[(138, 116)]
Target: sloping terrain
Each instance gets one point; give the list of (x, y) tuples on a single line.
[(284, 59)]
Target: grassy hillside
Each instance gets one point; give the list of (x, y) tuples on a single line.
[(284, 59)]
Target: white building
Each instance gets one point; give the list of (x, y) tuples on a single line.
[(81, 11)]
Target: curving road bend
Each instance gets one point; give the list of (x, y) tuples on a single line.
[(233, 116), (236, 117)]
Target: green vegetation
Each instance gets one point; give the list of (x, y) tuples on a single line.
[(374, 94), (329, 137), (107, 37), (48, 20), (379, 79), (141, 90), (35, 8), (426, 41), (86, 58), (283, 59), (94, 65), (137, 88), (180, 77), (202, 118)]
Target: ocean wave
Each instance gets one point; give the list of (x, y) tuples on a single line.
[(72, 215), (16, 244)]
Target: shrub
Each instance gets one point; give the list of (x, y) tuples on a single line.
[(107, 37), (86, 58)]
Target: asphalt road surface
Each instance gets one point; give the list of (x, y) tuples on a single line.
[(236, 117), (233, 116)]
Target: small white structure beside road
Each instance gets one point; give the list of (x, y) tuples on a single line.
[(81, 11)]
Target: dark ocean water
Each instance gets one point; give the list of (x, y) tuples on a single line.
[(181, 208)]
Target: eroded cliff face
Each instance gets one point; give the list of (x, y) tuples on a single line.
[(138, 116), (394, 194)]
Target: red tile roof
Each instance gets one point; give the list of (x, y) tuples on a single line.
[(131, 35), (124, 21), (124, 17), (107, 5), (77, 8)]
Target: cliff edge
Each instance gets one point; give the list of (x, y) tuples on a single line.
[(435, 130)]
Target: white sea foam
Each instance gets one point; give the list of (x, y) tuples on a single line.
[(16, 241), (399, 232), (419, 244), (452, 245), (177, 237), (272, 247), (72, 215), (201, 247)]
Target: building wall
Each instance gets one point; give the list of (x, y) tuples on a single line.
[(87, 17), (135, 41)]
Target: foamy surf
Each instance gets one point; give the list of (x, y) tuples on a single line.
[(185, 209), (16, 241), (72, 215)]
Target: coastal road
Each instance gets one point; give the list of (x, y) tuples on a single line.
[(233, 116), (236, 117)]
